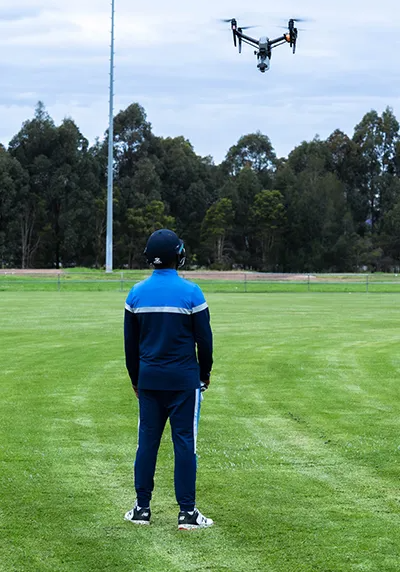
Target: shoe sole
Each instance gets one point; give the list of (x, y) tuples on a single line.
[(188, 527), (139, 522)]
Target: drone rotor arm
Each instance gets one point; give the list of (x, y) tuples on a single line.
[(277, 41), (249, 43), (247, 38), (278, 44)]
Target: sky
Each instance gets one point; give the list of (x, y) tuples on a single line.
[(178, 61)]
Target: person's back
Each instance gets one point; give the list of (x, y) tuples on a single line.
[(171, 316), (166, 319)]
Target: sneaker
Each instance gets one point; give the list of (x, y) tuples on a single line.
[(193, 520), (139, 515)]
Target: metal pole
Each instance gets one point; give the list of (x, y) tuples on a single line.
[(109, 212)]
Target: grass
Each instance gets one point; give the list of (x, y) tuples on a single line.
[(80, 279), (298, 441)]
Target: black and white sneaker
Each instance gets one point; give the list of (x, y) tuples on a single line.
[(139, 515), (188, 520)]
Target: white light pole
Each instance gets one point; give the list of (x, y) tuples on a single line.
[(109, 211)]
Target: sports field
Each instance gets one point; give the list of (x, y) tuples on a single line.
[(298, 440)]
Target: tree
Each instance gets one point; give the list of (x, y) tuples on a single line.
[(131, 136), (247, 186), (33, 148), (141, 223), (188, 187), (136, 181), (316, 205), (13, 184), (332, 205), (389, 237), (65, 199), (347, 164), (254, 151), (216, 225), (268, 217), (377, 138), (89, 219), (389, 185)]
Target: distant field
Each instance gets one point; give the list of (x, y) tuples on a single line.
[(298, 442), (80, 279)]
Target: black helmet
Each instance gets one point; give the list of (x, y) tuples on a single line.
[(164, 248)]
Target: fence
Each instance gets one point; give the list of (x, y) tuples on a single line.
[(209, 281)]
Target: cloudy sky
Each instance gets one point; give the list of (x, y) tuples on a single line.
[(179, 63)]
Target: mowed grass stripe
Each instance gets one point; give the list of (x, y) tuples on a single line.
[(298, 444), (319, 394)]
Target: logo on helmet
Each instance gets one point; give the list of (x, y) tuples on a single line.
[(157, 261)]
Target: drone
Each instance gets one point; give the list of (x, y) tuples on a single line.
[(264, 45)]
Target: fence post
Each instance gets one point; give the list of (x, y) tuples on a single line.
[(58, 281), (309, 282), (121, 281), (245, 287), (367, 282)]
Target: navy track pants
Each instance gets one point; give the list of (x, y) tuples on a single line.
[(183, 410)]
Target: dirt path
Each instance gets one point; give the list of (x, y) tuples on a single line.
[(212, 275)]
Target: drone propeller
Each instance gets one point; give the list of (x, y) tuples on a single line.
[(287, 28), (292, 33), (235, 29), (234, 26), (301, 19), (232, 20)]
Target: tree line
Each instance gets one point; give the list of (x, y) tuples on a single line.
[(331, 206)]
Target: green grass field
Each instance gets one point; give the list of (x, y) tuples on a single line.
[(81, 279), (298, 440)]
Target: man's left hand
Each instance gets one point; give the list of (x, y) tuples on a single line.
[(204, 383)]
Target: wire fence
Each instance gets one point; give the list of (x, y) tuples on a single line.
[(209, 281)]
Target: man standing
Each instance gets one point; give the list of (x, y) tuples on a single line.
[(166, 317)]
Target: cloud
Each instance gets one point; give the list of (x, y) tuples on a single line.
[(180, 64), (15, 13)]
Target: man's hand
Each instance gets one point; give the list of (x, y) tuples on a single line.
[(136, 391), (204, 384)]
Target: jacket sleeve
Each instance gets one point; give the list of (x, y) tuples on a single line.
[(203, 335), (131, 334)]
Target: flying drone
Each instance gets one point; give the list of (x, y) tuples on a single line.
[(264, 45)]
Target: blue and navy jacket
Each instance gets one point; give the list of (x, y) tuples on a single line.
[(166, 317)]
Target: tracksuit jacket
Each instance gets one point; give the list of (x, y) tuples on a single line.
[(166, 317)]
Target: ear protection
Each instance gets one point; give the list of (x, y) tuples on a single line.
[(181, 255)]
